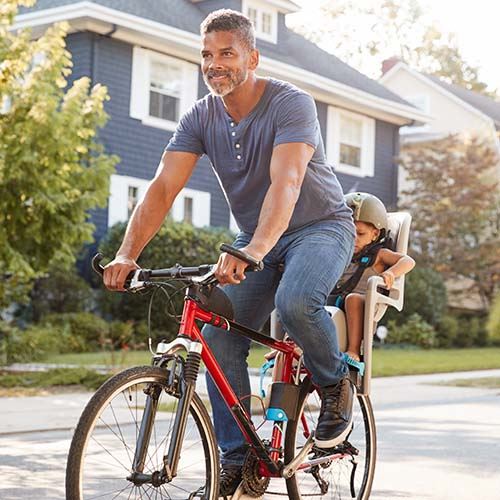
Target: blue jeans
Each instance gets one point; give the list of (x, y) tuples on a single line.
[(314, 257)]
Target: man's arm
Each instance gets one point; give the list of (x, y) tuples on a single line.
[(172, 175), (288, 167)]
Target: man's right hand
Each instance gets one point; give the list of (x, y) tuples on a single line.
[(116, 272)]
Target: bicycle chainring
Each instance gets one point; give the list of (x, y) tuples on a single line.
[(253, 483)]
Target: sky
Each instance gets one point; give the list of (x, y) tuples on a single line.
[(476, 24)]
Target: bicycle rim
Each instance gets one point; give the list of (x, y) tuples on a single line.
[(337, 475), (103, 446)]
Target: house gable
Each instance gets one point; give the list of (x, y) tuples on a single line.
[(449, 113)]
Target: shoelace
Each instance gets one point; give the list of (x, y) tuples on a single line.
[(334, 400)]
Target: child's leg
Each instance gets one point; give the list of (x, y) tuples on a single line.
[(354, 308)]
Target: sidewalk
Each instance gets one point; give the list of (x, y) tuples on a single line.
[(62, 411)]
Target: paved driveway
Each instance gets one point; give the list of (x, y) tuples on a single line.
[(434, 442)]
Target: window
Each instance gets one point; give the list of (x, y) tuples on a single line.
[(191, 205), (125, 193), (264, 19), (163, 88), (133, 198), (351, 142), (188, 209)]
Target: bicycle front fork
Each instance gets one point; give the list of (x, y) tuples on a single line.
[(184, 383)]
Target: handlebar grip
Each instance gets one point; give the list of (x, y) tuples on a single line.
[(96, 266), (256, 265)]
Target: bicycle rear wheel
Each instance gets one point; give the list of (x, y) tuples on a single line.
[(334, 479), (103, 446)]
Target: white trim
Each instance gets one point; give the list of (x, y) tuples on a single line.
[(118, 196), (261, 8), (141, 81), (139, 31), (350, 93), (438, 88), (367, 167), (201, 207)]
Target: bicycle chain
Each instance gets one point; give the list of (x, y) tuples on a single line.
[(254, 484)]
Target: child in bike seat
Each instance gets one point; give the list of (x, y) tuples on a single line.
[(372, 257)]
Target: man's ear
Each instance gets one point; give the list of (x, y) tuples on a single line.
[(253, 61)]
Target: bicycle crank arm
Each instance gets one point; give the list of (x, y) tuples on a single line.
[(290, 469)]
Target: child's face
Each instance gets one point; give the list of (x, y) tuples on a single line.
[(365, 234)]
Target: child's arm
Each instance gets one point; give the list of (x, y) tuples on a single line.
[(395, 264)]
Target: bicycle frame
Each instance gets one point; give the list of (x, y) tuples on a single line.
[(190, 333)]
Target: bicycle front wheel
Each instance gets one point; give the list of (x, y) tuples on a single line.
[(103, 447), (350, 474)]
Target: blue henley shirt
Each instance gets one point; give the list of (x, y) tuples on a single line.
[(240, 153)]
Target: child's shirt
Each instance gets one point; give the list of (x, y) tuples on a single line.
[(362, 284)]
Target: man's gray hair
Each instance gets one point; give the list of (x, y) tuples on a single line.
[(230, 20)]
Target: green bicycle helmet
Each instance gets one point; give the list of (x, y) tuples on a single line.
[(368, 208)]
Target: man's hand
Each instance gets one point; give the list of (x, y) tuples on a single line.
[(116, 272), (231, 270)]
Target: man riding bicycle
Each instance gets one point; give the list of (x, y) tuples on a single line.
[(263, 139)]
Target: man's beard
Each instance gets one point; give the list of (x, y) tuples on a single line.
[(225, 87)]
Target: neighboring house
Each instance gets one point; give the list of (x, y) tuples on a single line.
[(453, 110), (147, 54)]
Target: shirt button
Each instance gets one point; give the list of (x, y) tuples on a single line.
[(232, 124), (237, 146), (238, 157), (233, 133)]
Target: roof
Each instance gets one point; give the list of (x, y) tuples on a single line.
[(296, 51), (485, 104)]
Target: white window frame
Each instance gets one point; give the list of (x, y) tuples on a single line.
[(426, 108), (367, 167), (263, 7), (201, 207), (118, 196), (141, 83), (118, 201)]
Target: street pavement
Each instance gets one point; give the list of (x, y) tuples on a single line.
[(434, 442)]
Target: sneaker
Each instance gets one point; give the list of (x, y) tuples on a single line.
[(230, 478), (335, 417)]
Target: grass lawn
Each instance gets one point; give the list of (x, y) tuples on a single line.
[(387, 362)]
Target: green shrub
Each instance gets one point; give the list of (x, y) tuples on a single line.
[(416, 331), (84, 331), (61, 291), (32, 344), (425, 295), (447, 331), (120, 334), (493, 324), (472, 332), (175, 243)]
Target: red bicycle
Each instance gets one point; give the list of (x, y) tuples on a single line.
[(147, 433)]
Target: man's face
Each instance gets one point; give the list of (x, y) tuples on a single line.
[(225, 62)]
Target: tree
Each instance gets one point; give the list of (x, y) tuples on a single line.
[(455, 202), (52, 169), (366, 32)]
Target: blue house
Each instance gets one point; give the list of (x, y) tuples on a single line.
[(147, 53)]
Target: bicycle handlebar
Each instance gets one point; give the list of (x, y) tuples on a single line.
[(179, 272)]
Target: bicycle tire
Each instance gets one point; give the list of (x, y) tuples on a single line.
[(85, 479), (338, 473)]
